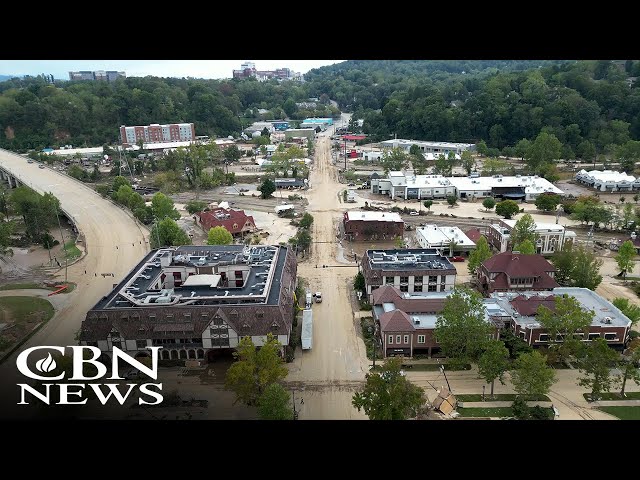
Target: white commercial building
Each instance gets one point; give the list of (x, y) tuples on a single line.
[(550, 237), (399, 184), (435, 148), (442, 238), (608, 180)]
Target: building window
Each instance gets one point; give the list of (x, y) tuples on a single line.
[(593, 336), (421, 339), (443, 279), (433, 278), (404, 279), (417, 279), (388, 280), (404, 288), (559, 338), (390, 339), (141, 344), (406, 339), (417, 288), (609, 336), (544, 337), (432, 288), (217, 321), (398, 338)]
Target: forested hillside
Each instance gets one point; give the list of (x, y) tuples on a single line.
[(590, 106)]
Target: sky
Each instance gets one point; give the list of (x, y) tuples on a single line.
[(160, 68)]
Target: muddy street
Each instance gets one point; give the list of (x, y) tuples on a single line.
[(326, 376)]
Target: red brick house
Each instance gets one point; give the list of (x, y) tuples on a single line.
[(507, 272), (236, 221), (365, 225)]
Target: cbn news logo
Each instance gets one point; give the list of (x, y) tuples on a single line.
[(69, 393)]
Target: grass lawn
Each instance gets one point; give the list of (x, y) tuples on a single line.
[(498, 397), (623, 413), (432, 367), (22, 315), (72, 252), (20, 286), (486, 412), (30, 286), (614, 396)]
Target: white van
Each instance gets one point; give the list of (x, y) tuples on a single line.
[(308, 301)]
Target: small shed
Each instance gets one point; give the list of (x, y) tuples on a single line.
[(445, 402)]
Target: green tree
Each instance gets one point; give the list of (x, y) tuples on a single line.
[(265, 132), (359, 283), (427, 204), (629, 369), (219, 236), (631, 311), (306, 221), (481, 253), (586, 269), (586, 150), (267, 187), (531, 375), (547, 202), (254, 370), (118, 182), (625, 258), (443, 165), (395, 159), (163, 207), (563, 324), (78, 172), (467, 161), (595, 364), (194, 206), (493, 362), (167, 233), (388, 395), (231, 153), (525, 247), (6, 229), (488, 204), (522, 147), (481, 148), (545, 149), (452, 200), (507, 209), (399, 242), (461, 329), (273, 404), (39, 212), (524, 229)]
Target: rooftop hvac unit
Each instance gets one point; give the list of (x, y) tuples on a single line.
[(607, 320)]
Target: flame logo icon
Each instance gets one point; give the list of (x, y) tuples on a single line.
[(46, 365)]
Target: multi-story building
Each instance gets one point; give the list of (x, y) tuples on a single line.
[(448, 240), (550, 237), (407, 321), (608, 322), (409, 270), (508, 272), (156, 133), (195, 301), (360, 225), (248, 70), (101, 75), (399, 184)]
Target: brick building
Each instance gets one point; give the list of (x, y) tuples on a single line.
[(235, 221), (360, 225), (156, 133), (509, 271)]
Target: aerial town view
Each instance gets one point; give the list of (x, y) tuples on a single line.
[(350, 240)]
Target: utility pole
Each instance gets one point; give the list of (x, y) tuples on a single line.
[(445, 377)]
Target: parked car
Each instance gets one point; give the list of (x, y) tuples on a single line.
[(318, 297), (414, 213), (457, 259), (29, 161), (40, 166)]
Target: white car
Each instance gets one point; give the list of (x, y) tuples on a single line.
[(414, 213)]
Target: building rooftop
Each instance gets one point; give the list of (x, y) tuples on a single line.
[(408, 259), (540, 226), (373, 216), (531, 184), (606, 176), (517, 306), (213, 275), (232, 220), (435, 235), (404, 142)]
